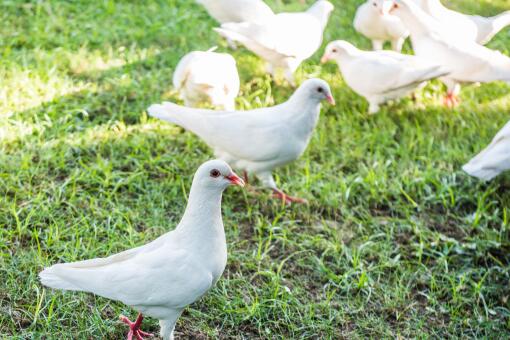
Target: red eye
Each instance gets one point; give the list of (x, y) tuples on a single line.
[(215, 173)]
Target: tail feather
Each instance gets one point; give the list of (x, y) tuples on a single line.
[(231, 35), (172, 113), (480, 172), (489, 27), (192, 119), (257, 38), (50, 277), (501, 21), (163, 112)]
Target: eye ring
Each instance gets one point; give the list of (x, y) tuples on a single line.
[(215, 173)]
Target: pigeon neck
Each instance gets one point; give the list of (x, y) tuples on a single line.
[(346, 55), (203, 204), (416, 20), (304, 102), (432, 6), (305, 118)]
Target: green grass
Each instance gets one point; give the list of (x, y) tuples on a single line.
[(396, 242)]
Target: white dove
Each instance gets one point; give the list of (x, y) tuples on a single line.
[(285, 40), (161, 278), (380, 76), (374, 21), (466, 61), (472, 27), (237, 10), (257, 141), (494, 159), (207, 77)]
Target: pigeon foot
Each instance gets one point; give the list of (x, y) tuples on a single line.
[(134, 328), (451, 100), (286, 198)]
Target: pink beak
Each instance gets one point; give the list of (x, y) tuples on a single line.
[(330, 99), (324, 58), (235, 180)]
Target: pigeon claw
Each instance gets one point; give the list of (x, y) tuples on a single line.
[(286, 198), (451, 100), (134, 328)]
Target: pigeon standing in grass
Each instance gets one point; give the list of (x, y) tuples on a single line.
[(374, 21), (494, 159), (466, 60), (207, 77), (380, 76), (161, 278), (472, 27), (284, 41), (257, 141)]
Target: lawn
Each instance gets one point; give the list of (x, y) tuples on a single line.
[(396, 241)]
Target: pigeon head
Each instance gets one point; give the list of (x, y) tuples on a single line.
[(383, 7), (413, 16), (216, 174), (338, 49), (401, 5), (316, 90)]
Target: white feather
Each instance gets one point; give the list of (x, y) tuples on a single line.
[(207, 77), (494, 159)]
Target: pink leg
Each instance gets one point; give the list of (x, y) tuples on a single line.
[(286, 198), (134, 328)]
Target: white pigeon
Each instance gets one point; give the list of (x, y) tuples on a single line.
[(285, 40), (374, 21), (494, 159), (466, 61), (257, 141), (380, 76), (207, 77), (161, 278), (237, 10), (472, 27)]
